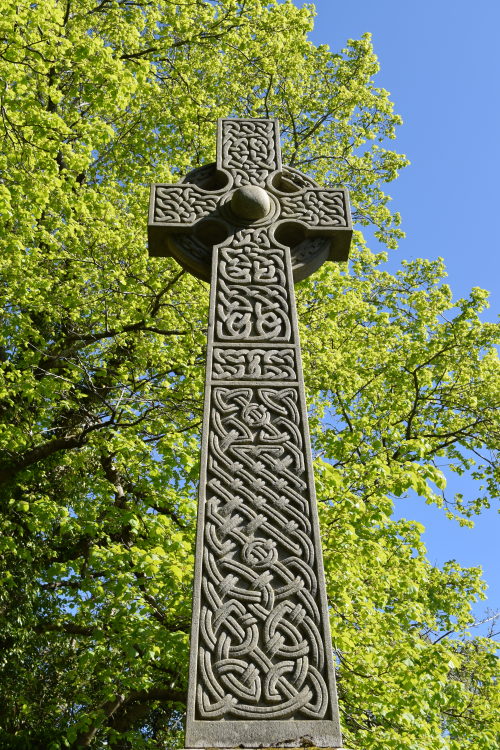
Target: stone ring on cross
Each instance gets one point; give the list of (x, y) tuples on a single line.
[(261, 666), (213, 201)]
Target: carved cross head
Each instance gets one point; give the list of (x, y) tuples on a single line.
[(249, 187)]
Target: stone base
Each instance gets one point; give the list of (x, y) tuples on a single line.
[(309, 747)]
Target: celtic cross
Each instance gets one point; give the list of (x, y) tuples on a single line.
[(261, 667)]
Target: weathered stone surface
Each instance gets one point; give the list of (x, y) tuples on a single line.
[(187, 220), (250, 202), (261, 671)]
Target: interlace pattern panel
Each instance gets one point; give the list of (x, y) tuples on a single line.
[(261, 642), (249, 150)]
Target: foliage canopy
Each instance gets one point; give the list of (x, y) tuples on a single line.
[(102, 359)]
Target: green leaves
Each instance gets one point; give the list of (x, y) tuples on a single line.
[(102, 371)]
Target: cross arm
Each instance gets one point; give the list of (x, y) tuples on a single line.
[(322, 212), (176, 209)]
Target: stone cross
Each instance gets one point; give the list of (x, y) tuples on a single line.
[(261, 666)]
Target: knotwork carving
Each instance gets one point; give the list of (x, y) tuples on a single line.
[(256, 313), (260, 651), (252, 300), (249, 150), (317, 208), (182, 204), (254, 364), (253, 266), (307, 256)]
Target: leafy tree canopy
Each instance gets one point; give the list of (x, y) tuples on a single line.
[(102, 359)]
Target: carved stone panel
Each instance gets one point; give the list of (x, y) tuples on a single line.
[(249, 150), (253, 302), (176, 204), (317, 208), (254, 364), (261, 660)]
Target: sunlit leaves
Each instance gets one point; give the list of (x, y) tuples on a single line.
[(101, 379)]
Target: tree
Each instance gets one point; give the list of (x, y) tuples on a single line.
[(102, 370)]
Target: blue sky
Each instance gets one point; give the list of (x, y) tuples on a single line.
[(440, 61)]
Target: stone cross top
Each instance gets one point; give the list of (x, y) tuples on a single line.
[(261, 668)]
